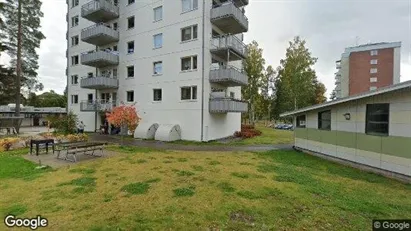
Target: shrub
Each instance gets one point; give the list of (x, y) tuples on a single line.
[(64, 124), (247, 133), (247, 126), (7, 143)]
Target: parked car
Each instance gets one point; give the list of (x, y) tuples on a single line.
[(288, 127)]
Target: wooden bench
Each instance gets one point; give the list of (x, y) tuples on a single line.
[(87, 148)]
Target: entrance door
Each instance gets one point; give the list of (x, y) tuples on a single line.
[(105, 97)]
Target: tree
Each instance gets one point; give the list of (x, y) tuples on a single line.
[(124, 116), (254, 67), (47, 99), (333, 95), (264, 98), (23, 36), (296, 83)]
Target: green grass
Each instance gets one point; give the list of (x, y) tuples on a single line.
[(226, 187), (269, 136), (130, 149), (136, 188), (12, 165), (276, 190), (184, 192)]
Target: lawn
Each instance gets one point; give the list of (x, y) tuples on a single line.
[(145, 189), (268, 136)]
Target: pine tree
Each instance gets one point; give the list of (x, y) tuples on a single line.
[(23, 37)]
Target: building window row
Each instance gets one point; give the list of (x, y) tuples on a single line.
[(187, 93), (376, 119)]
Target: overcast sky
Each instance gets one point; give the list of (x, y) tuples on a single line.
[(328, 26)]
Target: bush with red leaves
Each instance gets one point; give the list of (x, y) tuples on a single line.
[(247, 131)]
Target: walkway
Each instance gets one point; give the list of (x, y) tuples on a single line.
[(189, 147)]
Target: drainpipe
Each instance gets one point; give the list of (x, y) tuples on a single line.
[(202, 74)]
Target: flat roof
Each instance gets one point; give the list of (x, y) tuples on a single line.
[(372, 46), (379, 91)]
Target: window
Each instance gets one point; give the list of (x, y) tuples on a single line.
[(189, 5), (324, 120), (300, 123), (372, 88), (130, 96), (158, 41), (374, 52), (74, 21), (130, 72), (158, 68), (130, 23), (74, 40), (232, 95), (115, 73), (131, 1), (189, 33), (115, 48), (74, 99), (189, 93), (130, 47), (157, 95), (374, 61), (90, 75), (74, 79), (189, 63), (373, 79), (115, 26), (90, 97), (377, 119), (74, 3), (158, 13), (74, 60), (373, 70)]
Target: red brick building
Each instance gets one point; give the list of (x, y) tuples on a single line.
[(368, 67)]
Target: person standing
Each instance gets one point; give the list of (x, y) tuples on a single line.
[(81, 127)]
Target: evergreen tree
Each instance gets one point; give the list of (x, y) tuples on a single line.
[(23, 36)]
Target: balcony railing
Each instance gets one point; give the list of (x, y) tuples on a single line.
[(100, 59), (97, 105), (219, 103), (99, 11), (228, 76), (100, 82), (99, 34), (229, 18), (222, 44)]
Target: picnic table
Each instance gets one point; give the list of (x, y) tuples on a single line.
[(74, 148), (41, 143)]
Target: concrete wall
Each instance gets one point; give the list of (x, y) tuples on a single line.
[(397, 65), (347, 139), (171, 110)]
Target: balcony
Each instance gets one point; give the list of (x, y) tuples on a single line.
[(229, 18), (228, 76), (225, 45), (219, 103), (99, 11), (99, 83), (99, 35), (238, 3), (97, 105), (100, 59)]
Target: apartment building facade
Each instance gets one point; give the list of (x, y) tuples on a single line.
[(178, 62), (367, 67)]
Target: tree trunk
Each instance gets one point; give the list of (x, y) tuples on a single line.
[(18, 68)]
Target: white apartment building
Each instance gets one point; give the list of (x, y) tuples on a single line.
[(178, 61)]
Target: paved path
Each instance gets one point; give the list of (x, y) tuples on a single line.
[(184, 147)]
